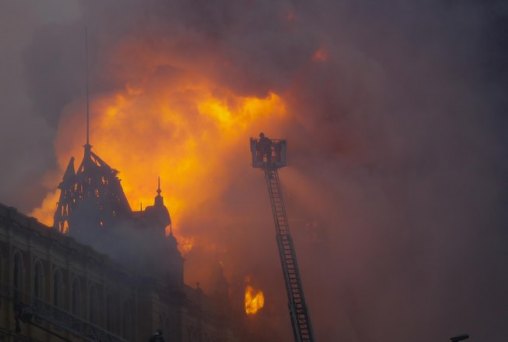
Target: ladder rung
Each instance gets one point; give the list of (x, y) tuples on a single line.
[(288, 258)]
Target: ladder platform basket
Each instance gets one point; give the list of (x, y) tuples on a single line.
[(268, 153)]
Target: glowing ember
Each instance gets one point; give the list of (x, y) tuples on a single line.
[(254, 300)]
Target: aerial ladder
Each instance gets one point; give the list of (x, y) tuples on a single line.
[(270, 155)]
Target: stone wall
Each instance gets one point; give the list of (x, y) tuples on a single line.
[(80, 291)]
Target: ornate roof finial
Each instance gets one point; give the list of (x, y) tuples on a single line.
[(87, 145), (159, 200)]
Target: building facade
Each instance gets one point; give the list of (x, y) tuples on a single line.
[(102, 272), (54, 288)]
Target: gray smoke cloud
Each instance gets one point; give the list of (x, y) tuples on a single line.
[(27, 137), (396, 189)]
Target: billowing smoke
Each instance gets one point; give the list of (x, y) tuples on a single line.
[(393, 111)]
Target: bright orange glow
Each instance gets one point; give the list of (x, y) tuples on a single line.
[(320, 55), (191, 132), (44, 213), (254, 300), (186, 244)]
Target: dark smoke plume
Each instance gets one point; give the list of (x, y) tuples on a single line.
[(396, 190)]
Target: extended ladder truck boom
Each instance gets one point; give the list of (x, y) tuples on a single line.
[(270, 155)]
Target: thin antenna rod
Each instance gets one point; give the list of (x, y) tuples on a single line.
[(87, 94), (159, 185)]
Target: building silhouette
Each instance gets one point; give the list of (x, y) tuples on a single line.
[(103, 272)]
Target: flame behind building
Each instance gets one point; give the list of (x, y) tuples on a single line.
[(94, 209)]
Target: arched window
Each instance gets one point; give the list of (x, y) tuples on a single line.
[(1, 267), (165, 325), (39, 281), (58, 289), (127, 320), (192, 333), (18, 271), (76, 298), (93, 305), (1, 275), (110, 313)]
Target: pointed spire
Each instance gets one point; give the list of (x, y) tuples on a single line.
[(159, 200), (87, 145), (69, 171)]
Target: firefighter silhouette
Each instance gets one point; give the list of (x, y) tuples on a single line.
[(264, 148)]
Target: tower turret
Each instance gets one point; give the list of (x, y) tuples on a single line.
[(156, 216), (92, 195)]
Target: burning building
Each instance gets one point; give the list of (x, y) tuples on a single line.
[(94, 209), (395, 112), (103, 272)]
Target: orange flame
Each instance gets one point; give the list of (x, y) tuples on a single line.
[(254, 300), (185, 244), (191, 132)]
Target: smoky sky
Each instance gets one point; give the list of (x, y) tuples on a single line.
[(397, 187)]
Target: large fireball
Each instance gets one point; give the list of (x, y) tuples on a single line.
[(188, 132)]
